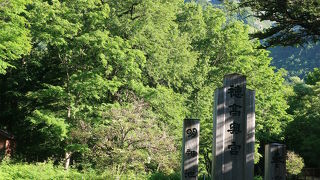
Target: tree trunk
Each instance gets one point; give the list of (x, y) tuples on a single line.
[(68, 153), (67, 160)]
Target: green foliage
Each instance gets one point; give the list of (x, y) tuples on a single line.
[(14, 36), (298, 61), (313, 77), (294, 23), (224, 47), (257, 155), (301, 133), (43, 171), (294, 163), (58, 126), (110, 83), (130, 139), (161, 176), (150, 27)]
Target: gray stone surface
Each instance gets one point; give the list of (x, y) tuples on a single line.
[(233, 130), (275, 162), (190, 149)]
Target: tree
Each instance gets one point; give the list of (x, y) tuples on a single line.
[(76, 69), (295, 22), (14, 36), (302, 133), (150, 27), (130, 139), (73, 68), (313, 77), (92, 66)]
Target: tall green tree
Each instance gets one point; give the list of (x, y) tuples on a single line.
[(76, 69), (14, 34), (88, 68), (151, 27), (302, 133)]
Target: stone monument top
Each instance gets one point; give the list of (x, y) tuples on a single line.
[(234, 79)]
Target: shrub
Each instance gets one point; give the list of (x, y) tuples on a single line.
[(162, 176), (42, 171), (294, 163)]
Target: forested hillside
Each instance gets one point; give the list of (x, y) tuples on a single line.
[(298, 61), (102, 87)]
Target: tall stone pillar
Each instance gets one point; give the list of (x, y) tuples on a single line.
[(190, 149), (275, 162), (233, 130)]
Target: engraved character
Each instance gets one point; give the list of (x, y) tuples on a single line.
[(234, 128), (234, 148), (192, 133), (233, 110), (235, 91), (191, 153)]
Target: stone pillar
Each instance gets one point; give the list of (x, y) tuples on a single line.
[(275, 162), (233, 130), (190, 149)]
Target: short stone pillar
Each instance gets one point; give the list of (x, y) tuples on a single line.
[(233, 130), (190, 149), (275, 162)]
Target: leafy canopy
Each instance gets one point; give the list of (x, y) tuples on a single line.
[(295, 22)]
